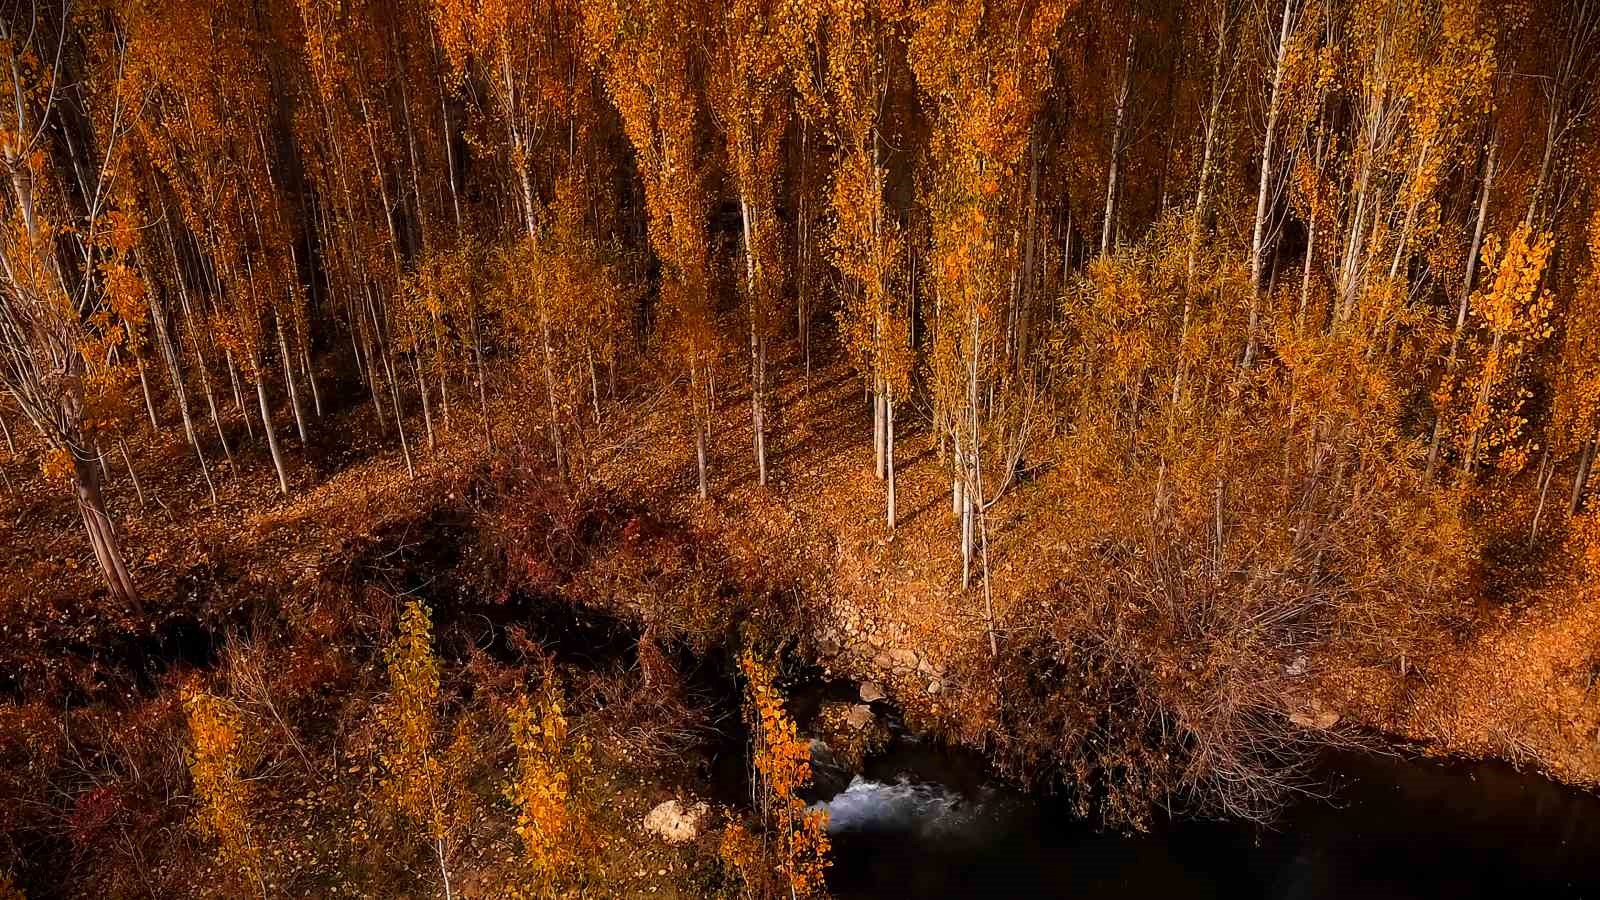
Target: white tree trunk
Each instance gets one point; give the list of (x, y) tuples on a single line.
[(272, 434), (1264, 185), (1109, 229)]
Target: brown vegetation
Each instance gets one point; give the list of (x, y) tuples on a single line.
[(1232, 371)]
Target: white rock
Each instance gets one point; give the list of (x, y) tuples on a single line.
[(672, 823)]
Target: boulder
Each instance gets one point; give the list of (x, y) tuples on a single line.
[(871, 692), (674, 824)]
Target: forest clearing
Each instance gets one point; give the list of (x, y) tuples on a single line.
[(459, 448)]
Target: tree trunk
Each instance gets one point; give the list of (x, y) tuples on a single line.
[(529, 214), (1025, 292), (311, 377), (133, 474), (144, 385), (1466, 295), (399, 412), (238, 395), (427, 405), (889, 454), (1580, 478), (1212, 128), (483, 389), (1264, 185), (802, 252), (288, 377), (877, 427), (594, 382), (1547, 474), (757, 356), (1108, 229), (211, 405), (700, 458), (102, 535), (1311, 237), (698, 393), (272, 433)]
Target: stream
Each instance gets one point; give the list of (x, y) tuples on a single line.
[(929, 822)]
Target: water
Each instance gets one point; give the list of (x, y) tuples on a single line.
[(922, 822)]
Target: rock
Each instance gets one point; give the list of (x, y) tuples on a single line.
[(1298, 667), (672, 823), (859, 716), (883, 662), (871, 692), (935, 686), (904, 659)]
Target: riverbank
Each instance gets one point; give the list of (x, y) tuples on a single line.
[(312, 582)]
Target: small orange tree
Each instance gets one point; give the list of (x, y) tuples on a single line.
[(782, 762), (423, 782), (215, 756), (557, 842)]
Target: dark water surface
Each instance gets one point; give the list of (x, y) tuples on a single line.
[(924, 822)]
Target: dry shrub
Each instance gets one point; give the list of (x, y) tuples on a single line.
[(645, 716), (91, 807), (547, 536), (537, 528), (1159, 682)]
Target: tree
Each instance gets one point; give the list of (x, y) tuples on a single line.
[(558, 844), (748, 96), (1515, 317), (782, 764), (1279, 52), (643, 53), (981, 100), (522, 56), (216, 754), (423, 775), (57, 325), (867, 241)]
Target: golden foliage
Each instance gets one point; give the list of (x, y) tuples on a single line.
[(782, 760), (215, 754), (558, 844), (423, 781)]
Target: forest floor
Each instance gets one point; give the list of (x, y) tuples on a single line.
[(1518, 679), (1519, 683)]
